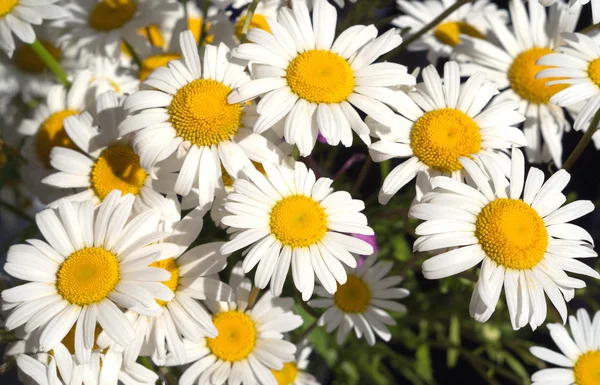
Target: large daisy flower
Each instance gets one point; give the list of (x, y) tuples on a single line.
[(512, 65), (362, 301), (518, 229), (89, 267), (288, 217), (294, 373), (184, 110), (579, 357), (442, 121), (249, 341), (440, 42), (312, 83)]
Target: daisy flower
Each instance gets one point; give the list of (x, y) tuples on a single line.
[(294, 373), (109, 75), (518, 229), (362, 301), (312, 83), (512, 65), (18, 16), (288, 217), (579, 357), (575, 5), (440, 42), (184, 110), (249, 341), (104, 162), (441, 121), (88, 268)]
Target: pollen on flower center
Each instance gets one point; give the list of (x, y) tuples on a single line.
[(449, 33), (587, 369), (440, 137), (512, 233), (287, 375), (320, 77), (52, 134), (169, 265), (88, 276), (6, 6), (258, 21), (117, 168), (27, 60), (236, 338), (298, 221), (201, 114), (151, 63), (594, 71), (521, 75), (354, 296), (112, 14)]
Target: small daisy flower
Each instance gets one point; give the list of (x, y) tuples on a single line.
[(288, 217), (512, 65), (579, 357), (575, 5), (362, 301), (518, 229), (311, 83), (184, 111), (294, 373), (88, 268), (442, 121), (440, 42), (249, 341)]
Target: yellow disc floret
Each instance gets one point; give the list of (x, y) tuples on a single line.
[(6, 6), (201, 114), (258, 21), (512, 233), (440, 137), (169, 265), (298, 221), (287, 375), (521, 75), (237, 336), (88, 276), (52, 134), (117, 168), (594, 71), (152, 62), (320, 77), (587, 369), (27, 60), (449, 33), (112, 14), (354, 296)]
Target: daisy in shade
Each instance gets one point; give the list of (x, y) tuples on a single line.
[(249, 342), (440, 41), (288, 217), (512, 65), (104, 162), (183, 110), (88, 268), (109, 75), (579, 357), (575, 5), (312, 83), (518, 229), (18, 16), (442, 121), (294, 373), (362, 301)]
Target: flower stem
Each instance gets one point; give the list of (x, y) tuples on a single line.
[(50, 62), (203, 26), (362, 175), (589, 28), (585, 140), (134, 55), (249, 16), (185, 10)]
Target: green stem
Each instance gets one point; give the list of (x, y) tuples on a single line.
[(203, 32), (249, 16), (185, 11), (50, 62), (585, 140), (589, 28), (134, 55), (363, 174), (307, 332)]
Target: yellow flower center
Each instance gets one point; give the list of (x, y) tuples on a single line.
[(521, 75), (88, 276), (112, 14), (354, 296), (258, 21), (448, 33), (287, 375), (320, 77), (298, 221), (512, 233), (237, 336), (117, 168), (52, 134), (6, 6), (594, 71), (151, 63), (201, 114), (440, 137), (587, 369), (195, 25), (27, 60), (169, 265)]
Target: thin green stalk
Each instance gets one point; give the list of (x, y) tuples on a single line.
[(362, 175), (203, 29), (249, 16), (585, 140), (50, 62), (185, 10), (590, 28), (134, 55), (307, 332)]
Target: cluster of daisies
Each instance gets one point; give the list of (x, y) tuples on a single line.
[(150, 117)]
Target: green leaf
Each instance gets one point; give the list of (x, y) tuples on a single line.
[(516, 367), (454, 338), (423, 364)]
